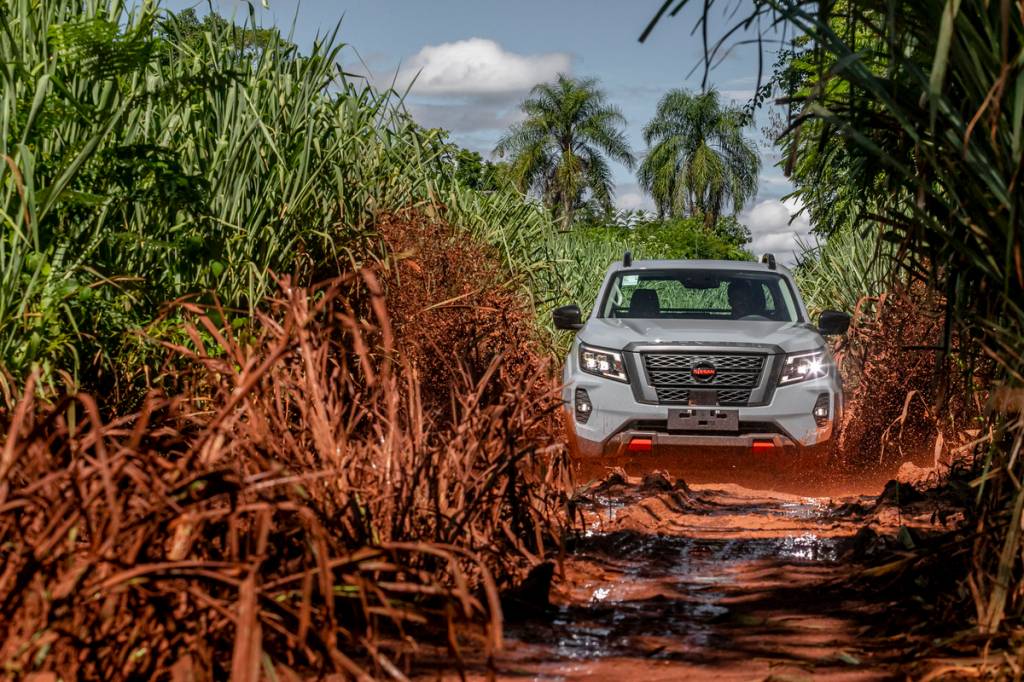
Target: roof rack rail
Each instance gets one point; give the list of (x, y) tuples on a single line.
[(627, 259), (769, 259)]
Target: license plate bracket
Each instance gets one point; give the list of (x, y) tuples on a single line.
[(703, 419)]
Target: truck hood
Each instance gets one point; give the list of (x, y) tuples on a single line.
[(616, 334)]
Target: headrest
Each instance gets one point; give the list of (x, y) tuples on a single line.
[(644, 303)]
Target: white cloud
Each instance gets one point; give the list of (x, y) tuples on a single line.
[(478, 66), (775, 229), (473, 87), (631, 201)]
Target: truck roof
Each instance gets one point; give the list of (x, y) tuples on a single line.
[(748, 266)]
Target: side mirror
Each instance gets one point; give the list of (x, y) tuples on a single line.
[(568, 317), (833, 323)]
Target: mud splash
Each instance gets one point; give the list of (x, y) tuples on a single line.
[(710, 581)]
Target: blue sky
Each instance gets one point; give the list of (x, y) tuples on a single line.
[(477, 60)]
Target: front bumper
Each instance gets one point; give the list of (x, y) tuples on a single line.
[(617, 417)]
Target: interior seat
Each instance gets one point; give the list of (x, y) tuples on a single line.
[(746, 299), (644, 303)]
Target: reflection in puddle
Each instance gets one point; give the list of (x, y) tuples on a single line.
[(608, 508), (668, 592), (808, 547), (807, 509)]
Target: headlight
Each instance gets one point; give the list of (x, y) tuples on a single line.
[(804, 366), (603, 363)]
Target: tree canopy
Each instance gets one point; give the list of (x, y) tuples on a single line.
[(190, 29), (699, 158), (561, 150)]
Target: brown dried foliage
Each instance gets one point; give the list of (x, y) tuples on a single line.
[(906, 397), (308, 509), (447, 299)]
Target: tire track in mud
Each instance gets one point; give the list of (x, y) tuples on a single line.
[(666, 582)]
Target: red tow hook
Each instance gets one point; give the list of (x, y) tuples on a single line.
[(641, 445)]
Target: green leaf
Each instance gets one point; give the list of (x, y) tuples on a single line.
[(938, 73)]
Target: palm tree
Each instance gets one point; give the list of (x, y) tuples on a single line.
[(559, 150), (698, 157)]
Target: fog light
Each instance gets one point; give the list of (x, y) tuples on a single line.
[(584, 407), (762, 445), (821, 410)]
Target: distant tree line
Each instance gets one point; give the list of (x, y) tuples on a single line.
[(698, 165)]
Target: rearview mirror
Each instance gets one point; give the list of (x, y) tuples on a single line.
[(568, 317), (833, 323), (699, 281)]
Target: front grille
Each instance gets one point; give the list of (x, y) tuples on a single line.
[(736, 375), (682, 396), (663, 377)]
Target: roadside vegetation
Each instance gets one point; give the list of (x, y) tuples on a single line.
[(844, 268), (195, 222), (146, 162)]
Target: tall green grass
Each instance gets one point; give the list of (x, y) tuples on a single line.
[(143, 161), (844, 268), (140, 165), (555, 267)]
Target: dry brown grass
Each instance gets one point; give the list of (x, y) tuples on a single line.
[(312, 505), (906, 397), (446, 299)]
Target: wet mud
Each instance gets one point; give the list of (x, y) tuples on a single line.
[(668, 580)]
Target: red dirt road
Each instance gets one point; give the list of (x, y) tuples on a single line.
[(715, 581)]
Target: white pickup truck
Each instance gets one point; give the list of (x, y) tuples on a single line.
[(700, 353)]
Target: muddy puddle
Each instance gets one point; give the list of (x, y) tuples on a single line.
[(669, 581)]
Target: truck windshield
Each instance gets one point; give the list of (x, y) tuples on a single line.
[(700, 295)]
